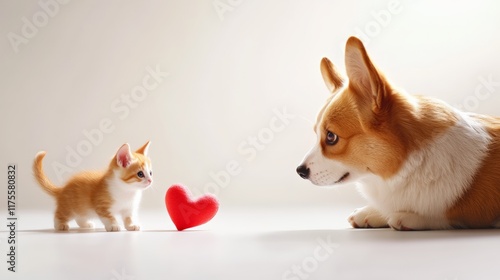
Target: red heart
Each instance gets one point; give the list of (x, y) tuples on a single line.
[(187, 212)]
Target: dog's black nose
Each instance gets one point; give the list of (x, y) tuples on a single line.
[(303, 171)]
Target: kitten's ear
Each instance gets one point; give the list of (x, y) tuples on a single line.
[(144, 149), (124, 156)]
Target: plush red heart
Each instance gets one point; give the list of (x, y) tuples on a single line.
[(187, 212)]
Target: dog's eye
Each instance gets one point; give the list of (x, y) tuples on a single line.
[(331, 138), (140, 174)]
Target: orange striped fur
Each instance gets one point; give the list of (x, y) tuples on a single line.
[(108, 193)]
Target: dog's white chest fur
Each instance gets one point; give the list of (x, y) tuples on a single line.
[(434, 177)]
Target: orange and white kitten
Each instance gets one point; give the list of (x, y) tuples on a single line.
[(116, 191)]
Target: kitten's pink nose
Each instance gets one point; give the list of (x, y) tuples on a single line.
[(149, 181)]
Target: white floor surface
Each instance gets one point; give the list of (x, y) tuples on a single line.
[(238, 244)]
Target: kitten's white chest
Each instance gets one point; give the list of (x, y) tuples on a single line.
[(124, 197)]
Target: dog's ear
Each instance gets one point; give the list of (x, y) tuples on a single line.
[(331, 76), (364, 78)]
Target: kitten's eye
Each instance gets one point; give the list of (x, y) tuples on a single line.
[(331, 138), (150, 173), (140, 174)]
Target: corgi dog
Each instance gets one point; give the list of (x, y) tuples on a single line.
[(420, 163)]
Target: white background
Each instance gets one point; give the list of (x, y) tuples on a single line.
[(228, 72)]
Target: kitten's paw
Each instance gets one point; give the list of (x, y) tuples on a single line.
[(133, 227), (62, 227), (367, 217), (113, 227), (86, 225), (129, 223)]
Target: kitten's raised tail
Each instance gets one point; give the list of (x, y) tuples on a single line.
[(40, 176)]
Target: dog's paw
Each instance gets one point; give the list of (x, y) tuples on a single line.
[(407, 221), (367, 217)]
